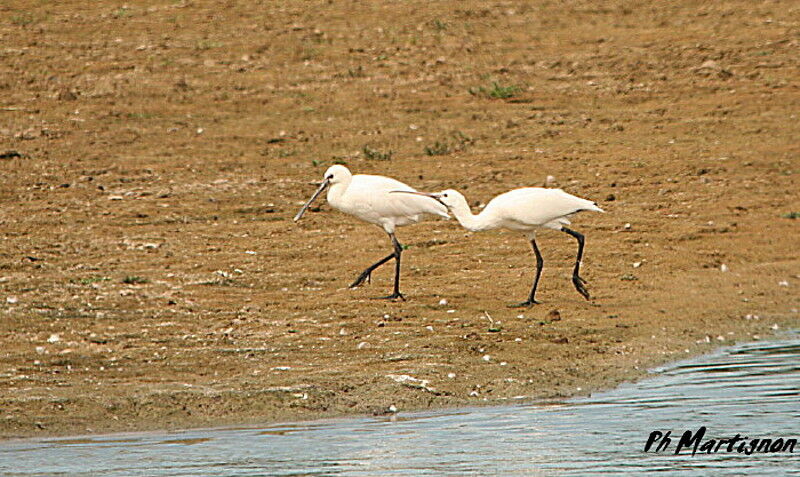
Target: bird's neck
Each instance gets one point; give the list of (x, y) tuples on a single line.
[(468, 220), (336, 191)]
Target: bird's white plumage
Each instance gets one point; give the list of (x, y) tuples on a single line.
[(533, 207), (367, 197), (523, 210)]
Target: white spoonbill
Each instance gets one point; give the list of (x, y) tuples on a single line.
[(524, 210), (367, 197)]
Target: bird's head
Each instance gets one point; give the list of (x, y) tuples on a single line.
[(335, 174), (449, 198)]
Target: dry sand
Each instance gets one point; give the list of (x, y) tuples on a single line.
[(153, 155)]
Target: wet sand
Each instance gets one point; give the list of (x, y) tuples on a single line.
[(153, 156)]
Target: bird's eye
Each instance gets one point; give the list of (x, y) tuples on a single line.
[(330, 176), (444, 195)]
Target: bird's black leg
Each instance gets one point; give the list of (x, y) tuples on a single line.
[(366, 275), (539, 265), (576, 279), (398, 249)]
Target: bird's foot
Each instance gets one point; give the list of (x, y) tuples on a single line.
[(364, 277), (579, 282), (396, 296), (525, 304)]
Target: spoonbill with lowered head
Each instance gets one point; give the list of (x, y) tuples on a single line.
[(525, 210), (367, 197)]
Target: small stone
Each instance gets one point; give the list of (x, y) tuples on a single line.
[(487, 358), (443, 301), (12, 300), (783, 283), (627, 226), (451, 375), (723, 268), (637, 264), (54, 338), (392, 408)]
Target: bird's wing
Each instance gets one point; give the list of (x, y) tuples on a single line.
[(373, 193), (537, 206)]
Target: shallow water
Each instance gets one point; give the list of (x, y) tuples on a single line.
[(751, 389)]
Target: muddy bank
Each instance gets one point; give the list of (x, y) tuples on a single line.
[(153, 156)]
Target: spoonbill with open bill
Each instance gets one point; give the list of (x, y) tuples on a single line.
[(367, 197), (525, 210)]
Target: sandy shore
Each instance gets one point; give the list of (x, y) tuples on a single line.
[(153, 156)]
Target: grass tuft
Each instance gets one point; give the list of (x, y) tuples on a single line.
[(455, 142), (377, 155), (496, 91)]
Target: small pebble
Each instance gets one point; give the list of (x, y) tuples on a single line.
[(723, 268), (487, 358), (443, 301)]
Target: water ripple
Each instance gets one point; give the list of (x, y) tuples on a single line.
[(751, 389)]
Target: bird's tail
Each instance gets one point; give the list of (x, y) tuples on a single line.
[(589, 205), (595, 208)]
